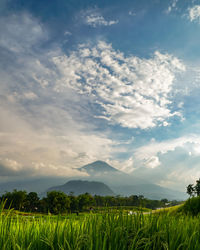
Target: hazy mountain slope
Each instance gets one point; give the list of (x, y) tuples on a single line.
[(150, 191), (127, 184), (38, 185), (81, 187)]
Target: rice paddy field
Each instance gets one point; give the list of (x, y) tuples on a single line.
[(100, 231)]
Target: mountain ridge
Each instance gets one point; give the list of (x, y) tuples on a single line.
[(83, 186)]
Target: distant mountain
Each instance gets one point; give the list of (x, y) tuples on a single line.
[(81, 187), (103, 172), (150, 191), (121, 183), (127, 184), (98, 167)]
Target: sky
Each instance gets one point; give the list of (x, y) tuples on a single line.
[(117, 81)]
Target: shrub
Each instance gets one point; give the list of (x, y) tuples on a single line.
[(192, 206)]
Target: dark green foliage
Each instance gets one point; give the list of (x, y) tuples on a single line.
[(43, 206), (32, 202), (192, 206), (74, 206), (58, 202), (197, 187), (190, 190), (85, 200), (15, 199)]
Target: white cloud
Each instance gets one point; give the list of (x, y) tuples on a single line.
[(172, 6), (20, 33), (47, 150), (152, 162), (172, 163), (30, 95), (133, 92), (42, 132), (94, 19), (10, 168), (11, 165), (126, 166), (154, 148), (194, 13)]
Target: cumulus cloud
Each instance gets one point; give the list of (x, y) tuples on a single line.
[(172, 163), (9, 167), (43, 147), (132, 91), (12, 168), (29, 149), (194, 13), (153, 148)]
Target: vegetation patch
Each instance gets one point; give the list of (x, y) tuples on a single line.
[(100, 231)]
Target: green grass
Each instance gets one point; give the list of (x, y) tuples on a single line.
[(116, 209), (107, 231)]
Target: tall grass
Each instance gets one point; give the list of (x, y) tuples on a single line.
[(100, 232)]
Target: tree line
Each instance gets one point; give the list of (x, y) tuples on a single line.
[(57, 202)]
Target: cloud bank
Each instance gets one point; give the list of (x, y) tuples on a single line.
[(173, 163)]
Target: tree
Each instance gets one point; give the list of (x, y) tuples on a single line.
[(197, 187), (142, 200), (85, 200), (73, 202), (57, 202), (15, 199), (99, 200), (134, 200), (110, 201), (190, 190), (43, 205), (32, 202)]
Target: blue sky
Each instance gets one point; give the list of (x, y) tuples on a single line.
[(100, 80)]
